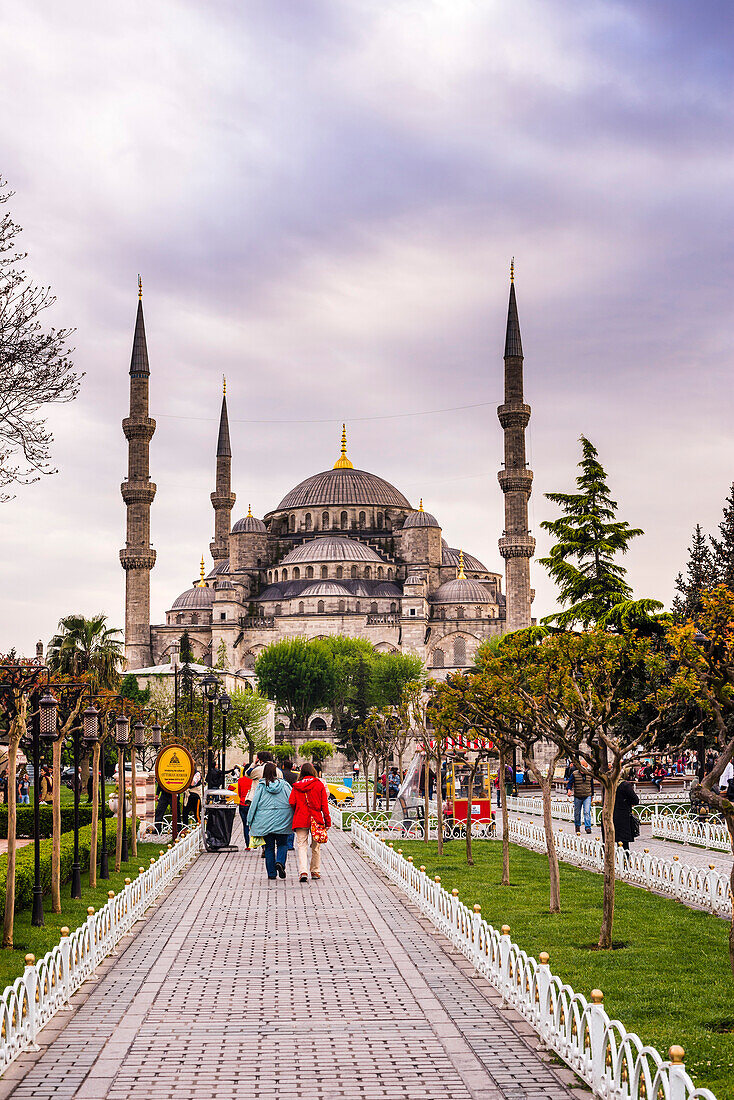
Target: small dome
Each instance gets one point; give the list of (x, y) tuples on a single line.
[(450, 556), (461, 590), (250, 524), (332, 548), (326, 588), (385, 588), (415, 579), (194, 599), (420, 519), (223, 585)]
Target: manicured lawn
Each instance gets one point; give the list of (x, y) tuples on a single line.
[(670, 982), (73, 913)]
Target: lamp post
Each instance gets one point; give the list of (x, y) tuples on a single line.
[(122, 732), (225, 706), (91, 738), (44, 726), (210, 684)]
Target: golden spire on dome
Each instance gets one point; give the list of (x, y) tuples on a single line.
[(140, 288), (342, 462), (249, 511), (512, 270), (420, 506), (224, 385), (461, 575), (202, 582)]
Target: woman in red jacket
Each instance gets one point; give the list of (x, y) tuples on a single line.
[(311, 803)]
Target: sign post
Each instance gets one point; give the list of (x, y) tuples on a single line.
[(174, 770)]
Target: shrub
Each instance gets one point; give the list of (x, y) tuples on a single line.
[(24, 820)]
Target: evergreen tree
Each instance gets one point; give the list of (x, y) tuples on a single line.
[(723, 549), (700, 577), (589, 536), (185, 653)]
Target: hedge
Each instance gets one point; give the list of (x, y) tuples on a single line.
[(24, 819), (24, 862)]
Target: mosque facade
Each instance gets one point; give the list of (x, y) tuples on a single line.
[(344, 552)]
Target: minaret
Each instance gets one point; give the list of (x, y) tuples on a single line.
[(222, 498), (138, 491), (516, 545)]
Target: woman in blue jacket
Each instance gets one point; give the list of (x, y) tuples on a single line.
[(271, 817)]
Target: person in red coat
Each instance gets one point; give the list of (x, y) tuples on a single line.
[(310, 803)]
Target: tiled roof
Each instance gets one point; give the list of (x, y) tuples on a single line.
[(326, 588), (333, 488), (331, 548)]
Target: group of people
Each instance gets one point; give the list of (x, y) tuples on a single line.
[(23, 786), (285, 811), (580, 786)]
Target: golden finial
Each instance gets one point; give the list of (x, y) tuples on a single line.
[(420, 506), (461, 575), (202, 582), (224, 385), (140, 289), (249, 511), (343, 463), (512, 270)]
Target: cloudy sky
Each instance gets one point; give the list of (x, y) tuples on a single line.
[(323, 197)]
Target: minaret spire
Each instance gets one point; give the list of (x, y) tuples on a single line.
[(342, 462), (222, 498), (138, 491), (516, 545)]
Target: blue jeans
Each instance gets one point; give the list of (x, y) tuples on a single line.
[(578, 804), (291, 841), (244, 810), (24, 800), (271, 856)]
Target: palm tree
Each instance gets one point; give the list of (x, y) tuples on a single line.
[(87, 646)]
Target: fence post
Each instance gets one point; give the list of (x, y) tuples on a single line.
[(30, 980), (597, 1030), (543, 983), (505, 945), (677, 1074)]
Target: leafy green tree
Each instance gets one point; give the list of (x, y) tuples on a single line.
[(129, 689), (583, 561), (247, 721), (723, 548), (222, 661), (87, 646), (186, 653), (700, 576), (296, 674), (346, 657), (317, 752), (391, 673)]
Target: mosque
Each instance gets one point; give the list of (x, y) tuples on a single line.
[(344, 552)]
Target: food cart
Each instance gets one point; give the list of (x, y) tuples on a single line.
[(459, 751)]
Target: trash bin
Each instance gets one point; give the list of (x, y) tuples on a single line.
[(219, 821)]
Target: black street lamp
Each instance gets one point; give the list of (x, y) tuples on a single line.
[(210, 683), (122, 733), (225, 706), (90, 738), (44, 726)]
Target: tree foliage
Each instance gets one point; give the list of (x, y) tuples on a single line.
[(296, 674), (35, 365), (87, 646), (723, 547)]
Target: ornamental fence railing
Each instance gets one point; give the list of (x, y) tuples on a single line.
[(688, 830), (48, 984), (613, 1062), (562, 810)]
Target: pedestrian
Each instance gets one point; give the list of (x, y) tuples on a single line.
[(24, 789), (4, 786), (581, 782), (310, 817), (244, 783), (193, 800), (726, 781), (626, 825), (271, 817), (46, 792), (290, 777)]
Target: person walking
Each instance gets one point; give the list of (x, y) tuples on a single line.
[(24, 789), (46, 790), (192, 808), (310, 808), (244, 784), (626, 826), (291, 778), (581, 782), (271, 817)]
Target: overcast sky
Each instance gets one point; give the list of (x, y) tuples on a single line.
[(323, 197)]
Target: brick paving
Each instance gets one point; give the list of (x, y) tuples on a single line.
[(336, 990)]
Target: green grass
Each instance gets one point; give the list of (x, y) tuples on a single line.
[(670, 983), (73, 913)]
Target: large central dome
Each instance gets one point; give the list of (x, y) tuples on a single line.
[(333, 488)]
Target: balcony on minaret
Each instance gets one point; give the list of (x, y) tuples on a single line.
[(517, 546), (513, 415), (516, 481)]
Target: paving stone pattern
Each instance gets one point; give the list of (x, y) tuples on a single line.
[(240, 987)]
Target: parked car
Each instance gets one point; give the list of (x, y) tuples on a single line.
[(338, 793)]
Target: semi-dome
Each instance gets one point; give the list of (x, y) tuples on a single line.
[(220, 567), (461, 590), (223, 585), (272, 592), (326, 588), (450, 556), (250, 524), (331, 548), (333, 488), (385, 588), (194, 599)]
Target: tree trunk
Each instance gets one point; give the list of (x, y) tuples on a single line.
[(84, 768), (366, 772), (730, 826), (505, 822), (12, 822), (120, 804), (439, 801), (387, 786), (56, 831), (426, 798), (374, 783), (472, 773), (95, 816), (550, 847), (607, 817), (134, 804)]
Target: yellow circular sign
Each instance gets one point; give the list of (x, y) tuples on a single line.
[(174, 768)]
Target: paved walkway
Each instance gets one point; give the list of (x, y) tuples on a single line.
[(239, 987)]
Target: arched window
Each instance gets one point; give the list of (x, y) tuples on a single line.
[(389, 574), (459, 652), (275, 576), (379, 521), (479, 612), (460, 613), (358, 607), (353, 572), (379, 572), (344, 520), (339, 572), (373, 609), (278, 609), (342, 606), (194, 619), (249, 661), (367, 572), (324, 572), (320, 607), (324, 520), (284, 575), (292, 522), (362, 519), (309, 572), (179, 618), (393, 607), (308, 521), (296, 574), (300, 608), (438, 658)]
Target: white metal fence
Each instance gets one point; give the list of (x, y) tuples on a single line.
[(615, 1063), (687, 830), (562, 809), (48, 984)]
